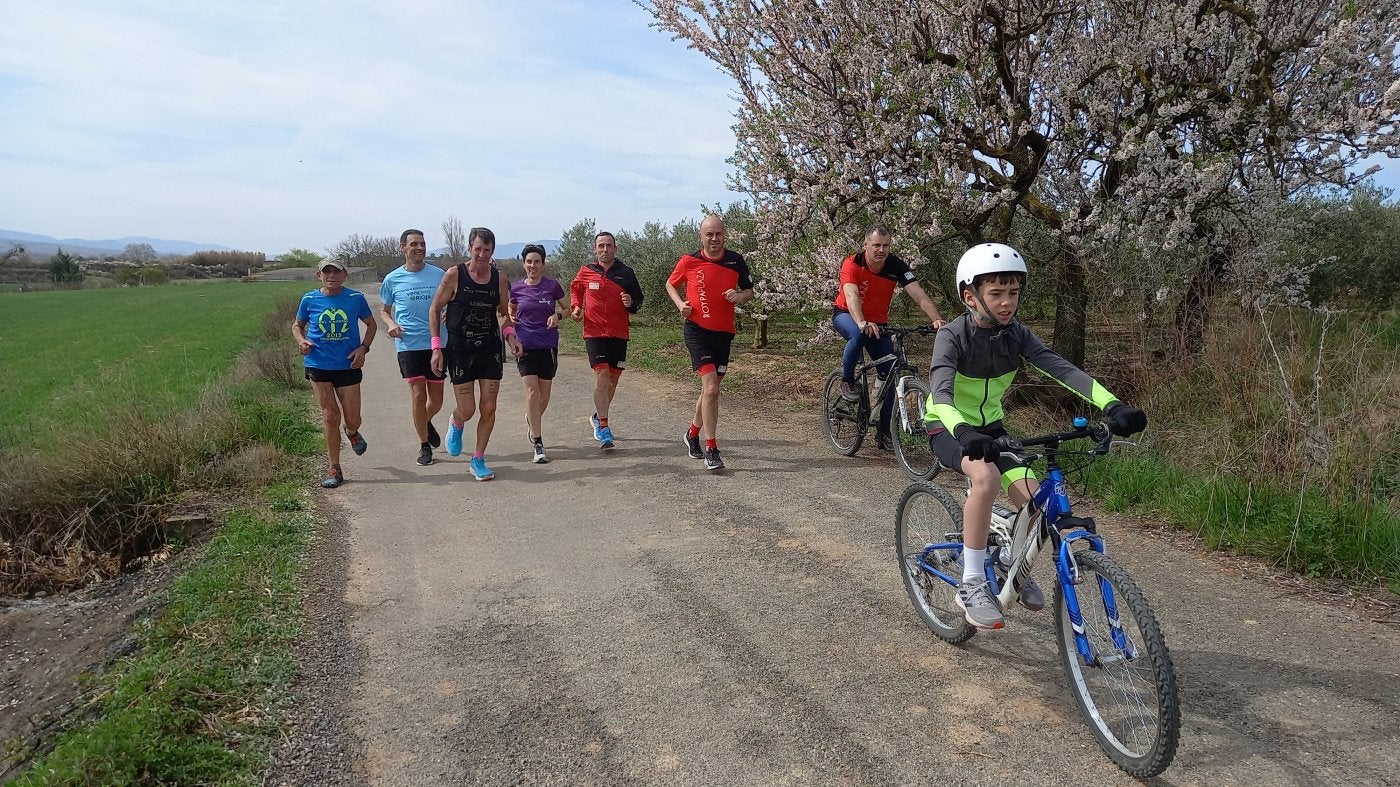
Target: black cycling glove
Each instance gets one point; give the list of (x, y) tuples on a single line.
[(1124, 420), (975, 444)]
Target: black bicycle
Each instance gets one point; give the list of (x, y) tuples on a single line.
[(847, 422)]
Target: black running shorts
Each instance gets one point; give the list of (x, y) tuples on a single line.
[(542, 362), (418, 365), (708, 348), (606, 351), (474, 359), (339, 378)]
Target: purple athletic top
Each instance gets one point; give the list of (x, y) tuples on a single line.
[(533, 306)]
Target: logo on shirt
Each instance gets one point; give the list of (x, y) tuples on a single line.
[(595, 285), (334, 324)]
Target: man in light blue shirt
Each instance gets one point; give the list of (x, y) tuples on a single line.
[(407, 292)]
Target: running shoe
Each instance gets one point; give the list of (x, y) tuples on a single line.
[(692, 444), (597, 427), (848, 391), (1031, 596), (979, 605), (712, 460), (605, 438), (425, 455), (480, 470), (454, 438), (540, 458), (434, 439), (334, 478), (357, 443)]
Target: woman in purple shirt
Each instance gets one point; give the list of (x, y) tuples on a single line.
[(536, 305)]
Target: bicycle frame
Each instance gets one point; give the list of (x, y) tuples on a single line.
[(898, 372), (1037, 522)]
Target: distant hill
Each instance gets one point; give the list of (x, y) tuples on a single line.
[(42, 245), (507, 251)]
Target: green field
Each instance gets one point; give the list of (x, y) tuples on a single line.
[(71, 357)]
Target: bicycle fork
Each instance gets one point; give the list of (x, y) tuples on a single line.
[(1068, 573)]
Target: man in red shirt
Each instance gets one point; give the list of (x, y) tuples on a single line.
[(605, 294), (868, 280), (716, 280)]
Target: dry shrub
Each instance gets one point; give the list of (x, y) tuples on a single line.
[(279, 364), (277, 324), (248, 467), (84, 512)]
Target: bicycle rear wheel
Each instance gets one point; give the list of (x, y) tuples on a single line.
[(843, 422), (1128, 694), (927, 515), (912, 447)]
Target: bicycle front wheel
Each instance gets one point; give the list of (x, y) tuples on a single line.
[(929, 515), (912, 447), (1127, 688), (842, 421)]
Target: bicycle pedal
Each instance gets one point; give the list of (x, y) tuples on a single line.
[(1069, 522)]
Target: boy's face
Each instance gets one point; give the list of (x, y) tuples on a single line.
[(1002, 297)]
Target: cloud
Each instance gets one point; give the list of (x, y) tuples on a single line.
[(268, 125)]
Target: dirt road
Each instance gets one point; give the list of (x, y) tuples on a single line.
[(627, 618)]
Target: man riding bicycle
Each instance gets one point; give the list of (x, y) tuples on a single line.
[(862, 308), (975, 359)]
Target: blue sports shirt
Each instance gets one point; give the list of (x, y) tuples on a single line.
[(332, 326)]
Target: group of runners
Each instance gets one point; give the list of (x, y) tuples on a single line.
[(975, 356), (458, 324)]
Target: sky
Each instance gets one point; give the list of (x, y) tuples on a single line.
[(264, 126)]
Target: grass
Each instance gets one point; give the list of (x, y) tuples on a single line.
[(200, 703), (1347, 540), (73, 358)]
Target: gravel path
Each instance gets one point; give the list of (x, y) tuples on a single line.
[(626, 618)]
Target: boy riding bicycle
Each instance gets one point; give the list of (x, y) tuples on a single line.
[(975, 359)]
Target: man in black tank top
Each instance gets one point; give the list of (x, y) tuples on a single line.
[(475, 297)]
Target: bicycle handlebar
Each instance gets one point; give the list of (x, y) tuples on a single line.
[(917, 330), (1102, 437)]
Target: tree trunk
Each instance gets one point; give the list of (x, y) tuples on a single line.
[(760, 333), (1071, 305), (1193, 312)]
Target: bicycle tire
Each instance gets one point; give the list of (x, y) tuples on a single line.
[(1131, 704), (843, 422), (927, 514), (912, 448)]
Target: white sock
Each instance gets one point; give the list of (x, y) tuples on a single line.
[(974, 561)]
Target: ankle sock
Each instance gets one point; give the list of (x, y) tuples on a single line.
[(711, 443), (602, 422), (973, 562), (478, 454), (694, 431)]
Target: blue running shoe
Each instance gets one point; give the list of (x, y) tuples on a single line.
[(480, 470), (334, 478), (357, 443), (605, 439), (597, 427), (454, 438)]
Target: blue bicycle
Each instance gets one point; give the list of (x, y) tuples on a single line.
[(1110, 643)]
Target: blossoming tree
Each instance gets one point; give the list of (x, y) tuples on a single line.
[(1114, 125)]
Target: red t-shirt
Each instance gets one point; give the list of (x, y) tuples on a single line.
[(705, 282), (876, 289)]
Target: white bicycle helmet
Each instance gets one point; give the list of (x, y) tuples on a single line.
[(988, 258)]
